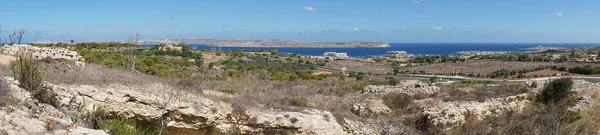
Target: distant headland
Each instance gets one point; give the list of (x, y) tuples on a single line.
[(255, 43)]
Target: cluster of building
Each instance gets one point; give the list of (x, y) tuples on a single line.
[(170, 47), (343, 55), (41, 52), (482, 52), (336, 55), (397, 54)]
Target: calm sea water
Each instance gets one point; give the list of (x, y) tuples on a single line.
[(411, 48)]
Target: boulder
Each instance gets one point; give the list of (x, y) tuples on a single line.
[(410, 87), (451, 114), (370, 108)]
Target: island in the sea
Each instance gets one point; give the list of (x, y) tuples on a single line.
[(243, 43), (270, 43), (543, 48)]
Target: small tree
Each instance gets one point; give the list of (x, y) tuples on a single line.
[(433, 79), (557, 91), (274, 52)]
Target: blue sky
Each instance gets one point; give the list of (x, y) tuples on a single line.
[(520, 21)]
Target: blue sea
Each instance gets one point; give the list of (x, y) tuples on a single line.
[(413, 48)]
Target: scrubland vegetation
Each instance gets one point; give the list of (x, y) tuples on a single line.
[(286, 82)]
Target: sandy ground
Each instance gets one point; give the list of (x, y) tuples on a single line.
[(5, 60)]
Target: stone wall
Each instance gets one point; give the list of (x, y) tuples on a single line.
[(42, 52)]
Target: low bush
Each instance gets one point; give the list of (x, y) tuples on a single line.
[(397, 100), (46, 95), (557, 91), (28, 72), (5, 95), (296, 101), (122, 126)]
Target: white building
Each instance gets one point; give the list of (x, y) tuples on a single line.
[(396, 54), (341, 55)]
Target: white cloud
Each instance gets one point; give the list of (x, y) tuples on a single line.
[(309, 8), (558, 14), (417, 1), (437, 28), (355, 29)]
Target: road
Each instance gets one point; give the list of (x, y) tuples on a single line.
[(597, 78), (594, 78)]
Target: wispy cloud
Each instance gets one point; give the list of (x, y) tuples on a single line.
[(355, 29), (437, 29), (340, 10), (236, 30), (418, 1), (310, 9), (558, 14)]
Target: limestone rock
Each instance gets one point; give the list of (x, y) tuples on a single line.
[(154, 103), (370, 108), (309, 121), (453, 113), (359, 128), (409, 87)]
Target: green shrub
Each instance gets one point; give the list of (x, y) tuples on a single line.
[(524, 90), (122, 126), (342, 77), (558, 90), (397, 100), (433, 79), (28, 72), (46, 95), (360, 77), (298, 102)]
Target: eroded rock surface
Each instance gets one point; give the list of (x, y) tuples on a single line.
[(157, 104), (409, 87), (370, 108), (26, 115), (453, 113)]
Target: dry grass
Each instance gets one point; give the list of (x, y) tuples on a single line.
[(5, 95), (277, 94), (361, 66), (454, 92), (483, 67), (99, 75), (536, 119)]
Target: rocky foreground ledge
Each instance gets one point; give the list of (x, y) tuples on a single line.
[(180, 112)]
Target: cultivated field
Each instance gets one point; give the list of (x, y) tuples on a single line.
[(362, 66), (483, 67)]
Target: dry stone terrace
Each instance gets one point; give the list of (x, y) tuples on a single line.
[(42, 52)]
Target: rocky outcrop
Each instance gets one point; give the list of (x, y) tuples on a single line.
[(309, 121), (177, 110), (578, 85), (453, 113), (154, 104), (370, 108), (28, 116), (359, 128), (15, 121), (409, 87)]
